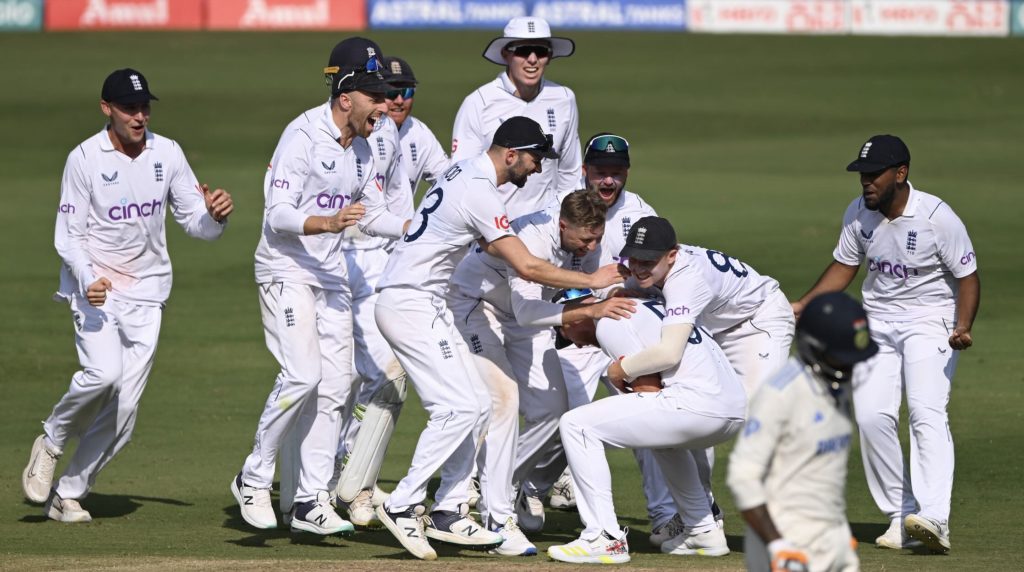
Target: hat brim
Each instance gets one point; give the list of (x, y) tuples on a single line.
[(371, 84), (866, 167), (399, 82), (560, 48), (852, 357), (641, 253), (607, 160), (548, 154)]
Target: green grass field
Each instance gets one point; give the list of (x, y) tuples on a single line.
[(741, 141)]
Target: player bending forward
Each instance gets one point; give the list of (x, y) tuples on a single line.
[(788, 470)]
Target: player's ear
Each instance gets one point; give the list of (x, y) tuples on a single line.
[(510, 157), (105, 108), (901, 173)]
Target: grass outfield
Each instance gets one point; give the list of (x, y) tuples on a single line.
[(741, 141)]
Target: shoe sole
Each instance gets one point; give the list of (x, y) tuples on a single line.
[(462, 541), (238, 498), (53, 514), (713, 552), (298, 525), (399, 535), (37, 449), (616, 559), (918, 530), (528, 552)]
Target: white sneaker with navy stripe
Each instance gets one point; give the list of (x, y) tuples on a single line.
[(255, 503), (408, 527), (515, 542), (318, 516), (457, 527)]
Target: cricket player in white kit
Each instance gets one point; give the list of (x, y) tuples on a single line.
[(788, 470), (525, 50), (116, 277), (420, 156), (320, 183), (921, 295), (506, 322), (412, 314), (677, 413)]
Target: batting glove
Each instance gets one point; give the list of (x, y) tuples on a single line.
[(786, 557)]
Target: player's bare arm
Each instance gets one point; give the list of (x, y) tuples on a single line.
[(614, 308), (218, 202), (529, 267), (835, 278), (967, 300), (336, 223), (784, 555)]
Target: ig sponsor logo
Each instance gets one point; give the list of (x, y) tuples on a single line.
[(128, 211), (502, 222), (329, 201)]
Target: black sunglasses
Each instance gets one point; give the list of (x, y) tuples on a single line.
[(525, 51), (405, 92)]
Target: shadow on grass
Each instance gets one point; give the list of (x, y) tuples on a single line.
[(107, 506), (867, 532)]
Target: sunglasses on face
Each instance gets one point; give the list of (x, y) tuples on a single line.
[(406, 93), (525, 51), (609, 144)]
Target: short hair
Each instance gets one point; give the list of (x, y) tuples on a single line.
[(584, 208)]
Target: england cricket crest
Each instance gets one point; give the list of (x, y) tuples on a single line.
[(627, 223), (641, 233), (911, 241)]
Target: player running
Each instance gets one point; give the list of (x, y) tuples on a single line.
[(921, 295), (412, 314), (116, 277)]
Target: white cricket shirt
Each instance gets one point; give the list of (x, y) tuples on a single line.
[(460, 208), (713, 288), (422, 154), (554, 109), (111, 217), (311, 174), (913, 261), (704, 382), (793, 450), (482, 276), (627, 209)]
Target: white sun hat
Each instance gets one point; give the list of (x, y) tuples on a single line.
[(528, 28)]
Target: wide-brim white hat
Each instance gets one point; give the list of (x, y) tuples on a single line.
[(528, 28)]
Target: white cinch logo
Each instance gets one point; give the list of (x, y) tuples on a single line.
[(640, 234), (864, 150), (136, 84)]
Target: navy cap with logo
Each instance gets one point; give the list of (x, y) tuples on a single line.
[(607, 149), (399, 73), (524, 134), (566, 296), (126, 86), (356, 64), (879, 153), (832, 334), (649, 239)]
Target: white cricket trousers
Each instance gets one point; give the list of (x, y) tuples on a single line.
[(421, 330), (523, 375), (759, 347), (116, 345), (656, 421), (309, 332), (830, 547), (915, 358), (375, 362)]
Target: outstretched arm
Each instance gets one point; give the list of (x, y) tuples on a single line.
[(835, 278)]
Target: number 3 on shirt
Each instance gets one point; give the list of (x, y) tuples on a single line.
[(425, 212)]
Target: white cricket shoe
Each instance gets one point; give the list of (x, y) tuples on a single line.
[(255, 503), (65, 510), (674, 527), (379, 496), (689, 543), (361, 510), (408, 527), (602, 550), (37, 478), (896, 537), (932, 533), (318, 516), (457, 527), (515, 542), (529, 512), (474, 493), (563, 495)]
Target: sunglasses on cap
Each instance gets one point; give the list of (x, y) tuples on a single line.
[(572, 295), (406, 93), (608, 144), (373, 65), (549, 142), (525, 51)]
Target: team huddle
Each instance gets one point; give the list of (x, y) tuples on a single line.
[(527, 277)]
